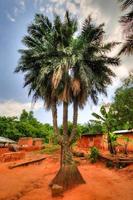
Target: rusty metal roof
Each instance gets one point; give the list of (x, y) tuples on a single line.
[(91, 134)]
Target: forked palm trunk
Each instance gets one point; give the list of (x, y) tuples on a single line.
[(54, 116), (68, 174), (75, 119), (55, 125)]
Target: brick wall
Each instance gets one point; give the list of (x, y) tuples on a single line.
[(27, 141), (13, 156)]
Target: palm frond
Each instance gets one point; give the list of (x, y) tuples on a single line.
[(127, 47), (126, 4)]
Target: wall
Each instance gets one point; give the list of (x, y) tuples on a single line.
[(100, 141), (37, 142), (3, 150), (27, 141), (13, 156), (122, 142), (89, 141)]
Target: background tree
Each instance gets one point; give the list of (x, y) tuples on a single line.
[(123, 104), (95, 127), (27, 125), (8, 128)]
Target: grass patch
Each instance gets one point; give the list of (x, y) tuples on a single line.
[(50, 149)]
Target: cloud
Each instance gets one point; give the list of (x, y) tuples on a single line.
[(13, 108), (72, 7), (17, 9), (22, 3), (124, 69), (88, 8), (12, 19)]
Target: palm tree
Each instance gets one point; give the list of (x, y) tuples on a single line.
[(127, 23), (87, 61), (62, 68)]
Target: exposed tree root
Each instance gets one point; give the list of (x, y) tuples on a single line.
[(68, 176)]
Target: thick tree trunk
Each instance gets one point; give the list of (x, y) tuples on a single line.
[(68, 175)]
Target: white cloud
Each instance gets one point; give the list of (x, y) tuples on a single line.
[(12, 19), (17, 9), (87, 8), (121, 72), (22, 3), (72, 7), (42, 9), (13, 108)]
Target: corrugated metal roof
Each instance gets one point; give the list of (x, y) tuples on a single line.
[(123, 131), (6, 140)]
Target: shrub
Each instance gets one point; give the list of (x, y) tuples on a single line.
[(109, 164), (94, 155)]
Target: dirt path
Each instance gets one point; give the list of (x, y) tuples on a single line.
[(31, 183)]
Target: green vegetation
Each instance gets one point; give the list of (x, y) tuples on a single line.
[(107, 122), (119, 114), (94, 154), (50, 148), (26, 126), (123, 105)]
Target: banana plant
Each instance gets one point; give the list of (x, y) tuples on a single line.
[(106, 117)]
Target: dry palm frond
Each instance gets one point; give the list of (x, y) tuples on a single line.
[(65, 95), (75, 85), (57, 75)]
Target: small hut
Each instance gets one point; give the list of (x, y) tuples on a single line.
[(90, 140), (25, 141), (125, 138)]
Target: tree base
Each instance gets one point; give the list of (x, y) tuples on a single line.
[(68, 176)]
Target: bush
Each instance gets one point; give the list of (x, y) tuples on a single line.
[(109, 164), (94, 155)]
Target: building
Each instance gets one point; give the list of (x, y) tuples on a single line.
[(90, 140), (4, 144), (25, 141), (30, 144), (125, 138), (4, 141)]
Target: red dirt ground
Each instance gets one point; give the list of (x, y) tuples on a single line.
[(31, 182)]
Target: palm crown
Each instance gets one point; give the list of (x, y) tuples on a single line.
[(53, 51)]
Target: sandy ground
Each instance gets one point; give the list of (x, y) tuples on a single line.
[(31, 182)]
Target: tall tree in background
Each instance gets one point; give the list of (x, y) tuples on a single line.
[(60, 67), (123, 104), (127, 23)]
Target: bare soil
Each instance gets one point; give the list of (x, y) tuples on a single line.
[(31, 182)]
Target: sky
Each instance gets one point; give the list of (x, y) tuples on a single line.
[(16, 15)]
